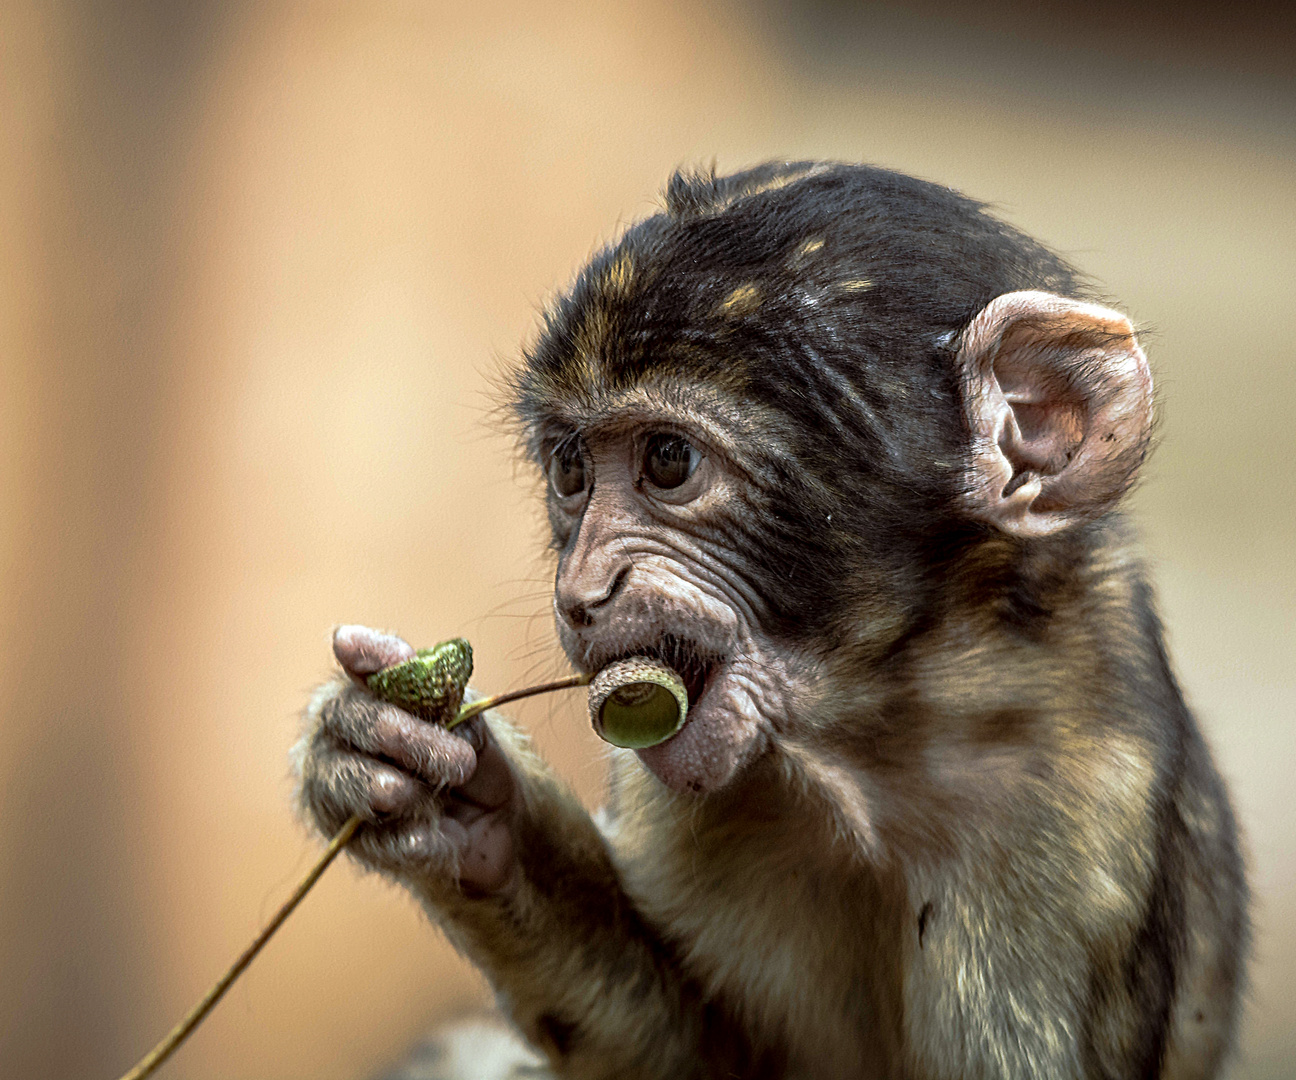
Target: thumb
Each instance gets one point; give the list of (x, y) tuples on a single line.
[(362, 651)]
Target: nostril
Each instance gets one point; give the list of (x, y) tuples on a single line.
[(615, 587), (581, 612), (578, 615)]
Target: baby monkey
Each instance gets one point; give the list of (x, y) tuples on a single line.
[(845, 452)]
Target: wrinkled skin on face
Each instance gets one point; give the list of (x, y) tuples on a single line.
[(639, 505)]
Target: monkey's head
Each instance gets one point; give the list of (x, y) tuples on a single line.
[(780, 416)]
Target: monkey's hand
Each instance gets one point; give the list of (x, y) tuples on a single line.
[(509, 863), (438, 804)]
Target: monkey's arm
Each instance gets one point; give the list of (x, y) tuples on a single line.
[(580, 972)]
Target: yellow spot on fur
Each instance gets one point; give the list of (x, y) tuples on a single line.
[(598, 322), (721, 205), (855, 284), (587, 341), (618, 277), (779, 182), (742, 301), (801, 254)]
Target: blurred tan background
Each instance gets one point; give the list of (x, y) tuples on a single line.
[(260, 265)]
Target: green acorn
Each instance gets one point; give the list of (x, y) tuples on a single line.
[(429, 684)]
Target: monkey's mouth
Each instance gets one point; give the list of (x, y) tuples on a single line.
[(687, 659)]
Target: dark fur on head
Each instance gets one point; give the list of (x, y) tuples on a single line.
[(832, 295)]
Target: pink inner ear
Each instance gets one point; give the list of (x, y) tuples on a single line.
[(1049, 415), (1058, 397)]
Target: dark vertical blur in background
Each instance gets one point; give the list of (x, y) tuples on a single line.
[(260, 267)]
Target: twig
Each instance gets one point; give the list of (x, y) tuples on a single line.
[(154, 1059)]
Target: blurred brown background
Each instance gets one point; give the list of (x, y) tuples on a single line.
[(260, 264)]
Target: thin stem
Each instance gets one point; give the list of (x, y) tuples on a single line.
[(154, 1059), (467, 712)]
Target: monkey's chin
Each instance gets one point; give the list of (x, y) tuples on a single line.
[(718, 738)]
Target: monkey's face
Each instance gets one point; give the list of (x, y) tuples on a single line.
[(644, 506), (797, 421)]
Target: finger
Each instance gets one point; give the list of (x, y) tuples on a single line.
[(338, 783), (359, 721), (430, 752), (491, 783), (480, 853), (362, 651), (409, 847)]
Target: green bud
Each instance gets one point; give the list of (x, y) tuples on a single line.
[(430, 684)]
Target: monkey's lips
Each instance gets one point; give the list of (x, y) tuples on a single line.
[(718, 734), (689, 661)]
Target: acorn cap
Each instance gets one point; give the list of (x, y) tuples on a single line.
[(637, 703)]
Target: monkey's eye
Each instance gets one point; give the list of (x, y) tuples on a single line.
[(669, 460), (567, 468)]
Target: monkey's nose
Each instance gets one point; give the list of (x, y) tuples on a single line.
[(581, 609)]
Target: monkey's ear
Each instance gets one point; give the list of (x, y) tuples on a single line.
[(1058, 396)]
